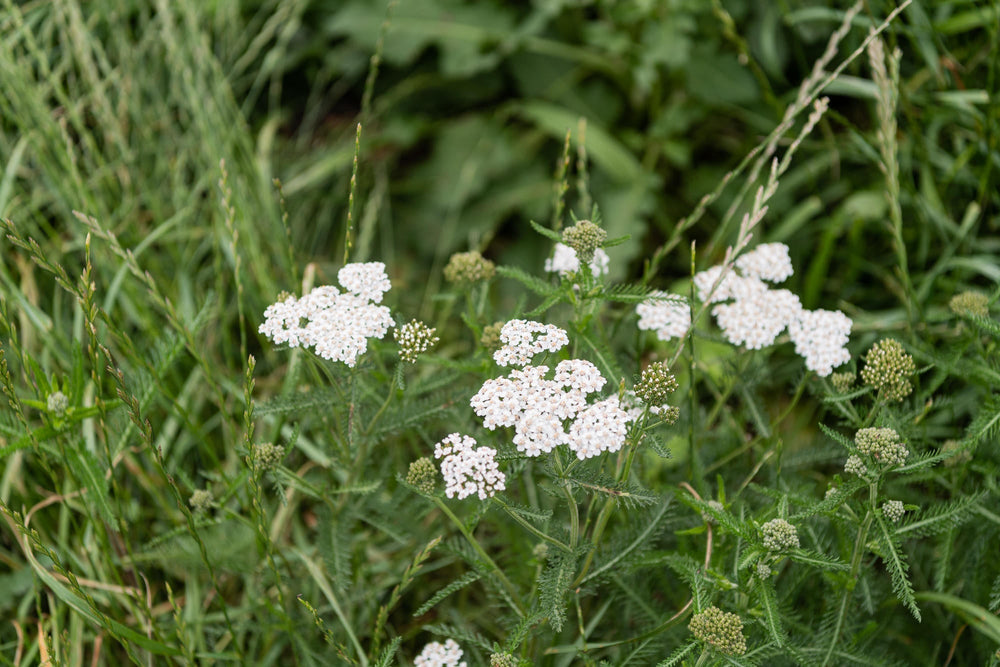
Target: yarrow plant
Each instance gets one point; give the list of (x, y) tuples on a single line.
[(722, 630), (752, 314), (435, 654), (335, 325), (467, 469)]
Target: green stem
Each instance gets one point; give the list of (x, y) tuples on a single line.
[(531, 529), (504, 581)]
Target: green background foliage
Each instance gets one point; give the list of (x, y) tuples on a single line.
[(140, 143)]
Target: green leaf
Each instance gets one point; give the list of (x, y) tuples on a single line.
[(772, 615), (546, 232), (979, 618), (91, 474), (536, 285), (895, 562), (456, 585)]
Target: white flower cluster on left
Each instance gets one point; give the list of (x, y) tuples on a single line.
[(335, 324), (468, 470), (436, 654), (538, 407)]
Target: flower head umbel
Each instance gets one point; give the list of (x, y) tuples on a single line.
[(779, 535), (268, 455), (585, 238), (468, 268), (600, 428), (523, 339), (842, 382), (666, 314), (656, 384), (436, 654), (821, 336), (468, 470), (970, 303), (502, 660), (720, 629), (564, 261), (752, 314), (882, 446), (201, 501), (855, 466), (893, 510), (888, 369), (414, 339), (335, 325), (422, 475), (57, 403)]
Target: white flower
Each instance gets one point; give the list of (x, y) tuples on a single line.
[(732, 286), (600, 428), (564, 261), (440, 655), (282, 323), (579, 374), (367, 280), (820, 336), (768, 261), (669, 318), (520, 343), (756, 320), (468, 470), (335, 325)]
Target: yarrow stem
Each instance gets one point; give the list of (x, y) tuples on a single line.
[(504, 581)]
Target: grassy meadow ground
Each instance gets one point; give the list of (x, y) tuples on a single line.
[(177, 488)]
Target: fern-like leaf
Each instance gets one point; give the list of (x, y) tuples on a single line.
[(940, 518), (536, 285), (678, 655), (553, 584), (895, 561), (456, 585)]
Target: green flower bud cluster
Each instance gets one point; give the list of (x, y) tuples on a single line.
[(970, 303), (855, 466), (720, 629), (763, 570), (422, 475), (584, 237), (268, 455), (468, 268), (842, 382), (57, 403), (502, 660), (882, 445), (888, 369), (893, 510), (656, 384), (491, 336), (779, 535), (201, 500), (414, 339)]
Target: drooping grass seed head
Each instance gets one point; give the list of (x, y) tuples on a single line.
[(779, 535), (585, 238), (468, 268), (422, 475), (721, 630), (414, 338), (888, 369), (970, 303)]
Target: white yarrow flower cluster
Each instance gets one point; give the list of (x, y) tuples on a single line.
[(468, 470), (752, 314), (436, 654), (523, 339), (668, 317), (820, 337), (538, 407), (564, 261), (335, 325)]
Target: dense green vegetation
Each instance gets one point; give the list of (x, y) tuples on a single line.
[(177, 488)]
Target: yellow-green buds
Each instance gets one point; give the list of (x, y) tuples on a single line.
[(720, 629), (888, 369), (467, 268)]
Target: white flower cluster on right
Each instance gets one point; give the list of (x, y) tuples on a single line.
[(335, 325), (538, 407), (468, 470), (436, 654), (753, 314), (564, 261)]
